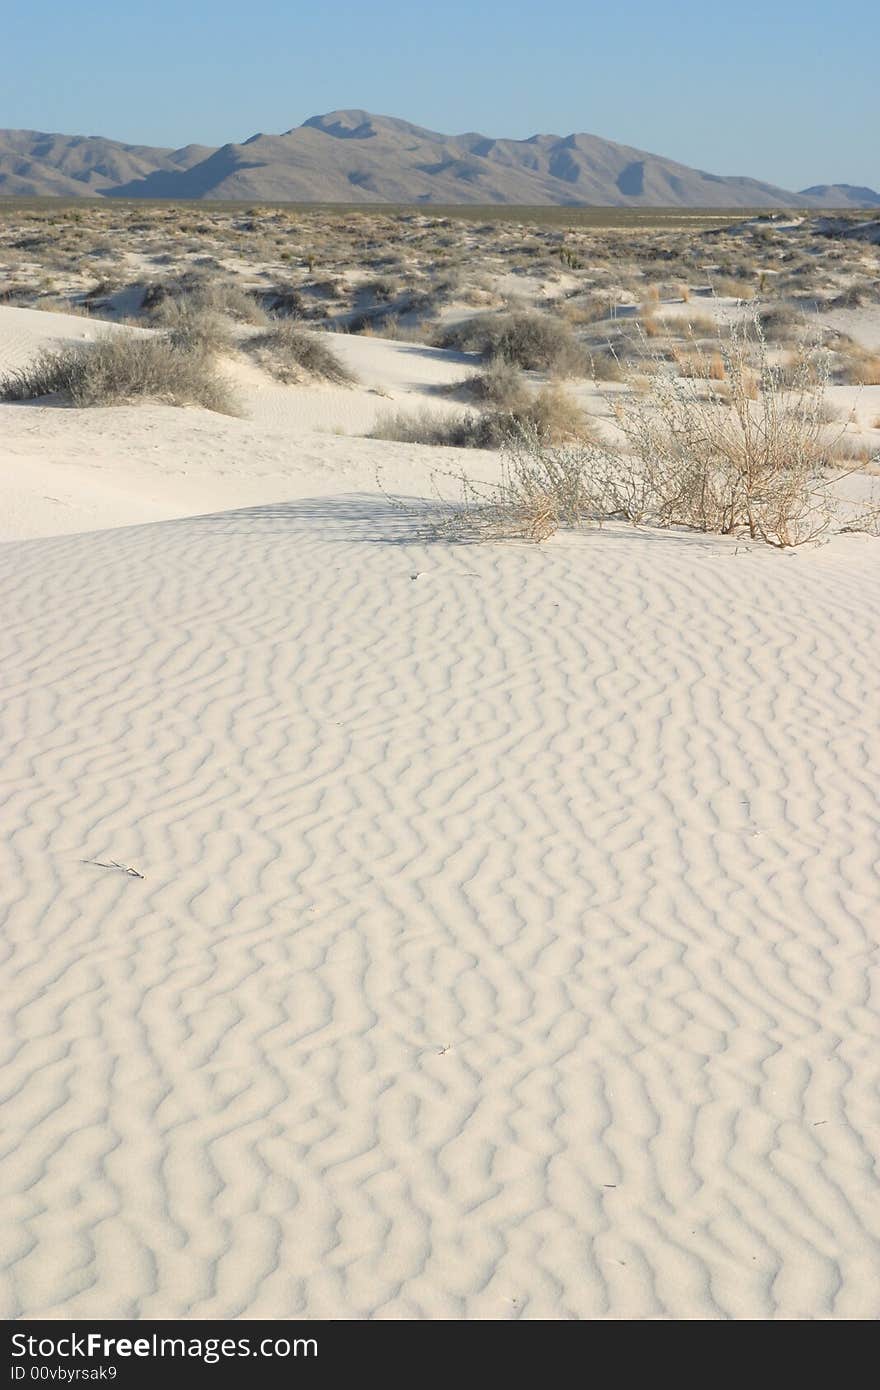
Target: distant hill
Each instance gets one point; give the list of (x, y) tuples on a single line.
[(840, 195), (353, 156), (36, 165)]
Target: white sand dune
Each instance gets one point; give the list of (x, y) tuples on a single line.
[(64, 470), (507, 938)]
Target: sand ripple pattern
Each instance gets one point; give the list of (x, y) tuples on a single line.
[(507, 939)]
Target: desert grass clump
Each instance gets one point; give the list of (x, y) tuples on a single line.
[(604, 364), (118, 369), (847, 451), (539, 490), (50, 304), (553, 417), (191, 327), (856, 295), (782, 324), (501, 385), (463, 429), (728, 287), (292, 355), (855, 365), (700, 326), (219, 297), (532, 340), (549, 416)]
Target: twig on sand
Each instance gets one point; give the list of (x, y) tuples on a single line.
[(114, 864)]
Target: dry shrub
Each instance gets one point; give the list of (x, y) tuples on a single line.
[(292, 355), (553, 417), (690, 364), (846, 451), (747, 461), (501, 384), (218, 297), (119, 368), (549, 416), (531, 340), (51, 305), (857, 366), (539, 491), (605, 365), (582, 311), (857, 295), (782, 324), (724, 287), (730, 465), (190, 326), (463, 429), (701, 326)]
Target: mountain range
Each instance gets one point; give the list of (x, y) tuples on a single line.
[(356, 157)]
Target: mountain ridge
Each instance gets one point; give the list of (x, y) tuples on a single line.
[(352, 155)]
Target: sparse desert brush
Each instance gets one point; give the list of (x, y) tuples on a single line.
[(381, 289), (213, 296), (17, 292), (464, 429), (780, 323), (197, 329), (333, 288), (500, 384), (550, 416), (388, 325), (604, 364), (860, 293), (478, 295), (705, 366), (724, 287), (582, 311), (291, 355), (120, 368), (553, 417), (856, 366), (540, 490), (701, 326), (846, 451), (751, 462), (731, 466), (532, 340), (651, 325), (830, 413), (690, 364), (50, 305)]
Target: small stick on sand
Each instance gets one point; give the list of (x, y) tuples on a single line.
[(114, 864)]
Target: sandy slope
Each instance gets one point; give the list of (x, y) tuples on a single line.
[(506, 943), (64, 470)]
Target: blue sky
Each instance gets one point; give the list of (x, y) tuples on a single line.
[(782, 90)]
